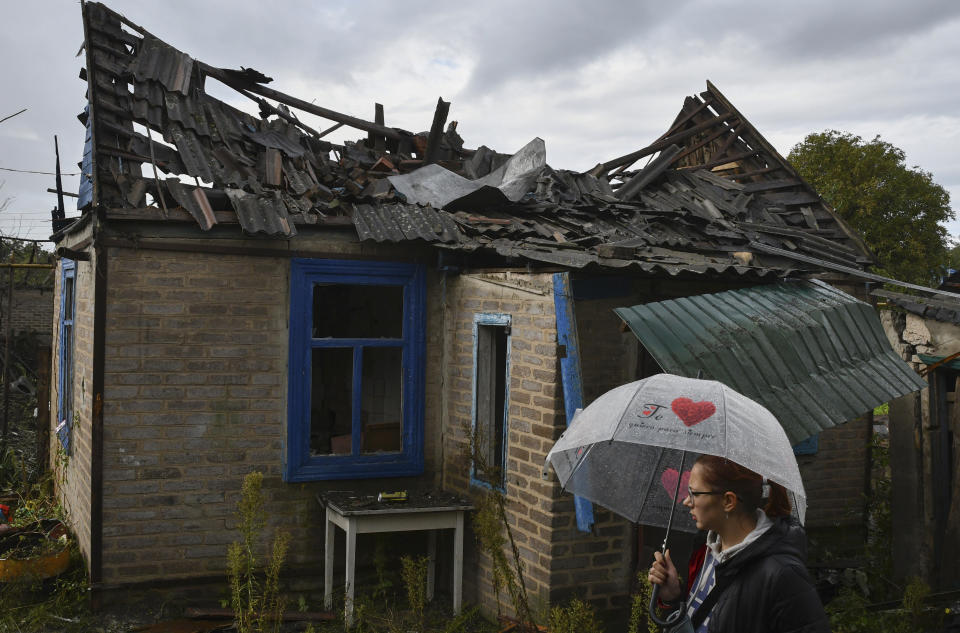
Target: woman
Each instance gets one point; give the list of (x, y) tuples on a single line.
[(754, 558)]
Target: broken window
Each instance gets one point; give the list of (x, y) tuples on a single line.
[(65, 362), (356, 370), (491, 395)]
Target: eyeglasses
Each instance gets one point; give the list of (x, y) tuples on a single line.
[(696, 493)]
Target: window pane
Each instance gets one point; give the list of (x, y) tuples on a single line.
[(66, 373), (491, 383), (357, 311), (68, 299), (382, 406), (331, 399)]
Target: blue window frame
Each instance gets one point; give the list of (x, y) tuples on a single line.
[(68, 294), (491, 398), (356, 369)]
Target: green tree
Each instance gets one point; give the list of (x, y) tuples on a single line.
[(26, 253), (898, 210)]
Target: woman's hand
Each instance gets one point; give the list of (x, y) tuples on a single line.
[(663, 573)]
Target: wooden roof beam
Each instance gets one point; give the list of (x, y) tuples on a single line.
[(670, 140), (220, 74)]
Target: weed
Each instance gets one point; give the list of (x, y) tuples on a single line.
[(469, 619), (879, 548), (255, 606), (381, 560), (41, 606), (576, 617), (851, 611), (494, 533), (639, 605), (414, 575)]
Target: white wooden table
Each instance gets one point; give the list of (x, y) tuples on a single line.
[(344, 511)]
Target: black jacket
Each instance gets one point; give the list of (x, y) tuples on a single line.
[(768, 589)]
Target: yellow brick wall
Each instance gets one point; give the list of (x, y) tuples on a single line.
[(535, 415), (72, 472), (196, 397)]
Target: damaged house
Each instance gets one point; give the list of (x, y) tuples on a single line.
[(925, 434), (240, 294)]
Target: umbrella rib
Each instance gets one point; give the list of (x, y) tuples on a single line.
[(723, 401), (576, 467), (624, 415)]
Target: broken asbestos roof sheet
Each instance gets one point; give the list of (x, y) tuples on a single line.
[(714, 197), (944, 307)]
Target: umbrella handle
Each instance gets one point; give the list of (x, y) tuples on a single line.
[(671, 619)]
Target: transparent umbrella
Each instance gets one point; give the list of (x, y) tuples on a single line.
[(631, 449)]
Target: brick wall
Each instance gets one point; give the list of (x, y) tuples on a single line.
[(195, 398), (32, 309), (835, 478), (597, 566), (73, 471), (535, 412), (196, 352)]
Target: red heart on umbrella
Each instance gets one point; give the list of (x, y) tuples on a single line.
[(669, 481), (691, 412)]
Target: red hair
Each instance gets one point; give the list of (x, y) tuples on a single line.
[(724, 475)]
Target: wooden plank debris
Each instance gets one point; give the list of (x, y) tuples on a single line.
[(436, 130)]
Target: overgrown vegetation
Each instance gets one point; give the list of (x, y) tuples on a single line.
[(257, 604), (27, 253), (869, 601), (575, 617), (19, 460), (41, 606), (639, 604), (399, 611), (853, 612), (30, 603), (493, 532), (414, 574)]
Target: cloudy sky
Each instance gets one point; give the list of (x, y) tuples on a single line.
[(593, 79)]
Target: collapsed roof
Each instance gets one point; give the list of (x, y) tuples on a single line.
[(714, 196)]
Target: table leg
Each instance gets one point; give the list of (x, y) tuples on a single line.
[(351, 560), (328, 563), (458, 564), (431, 564)]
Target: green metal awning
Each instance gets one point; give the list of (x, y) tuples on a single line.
[(813, 355)]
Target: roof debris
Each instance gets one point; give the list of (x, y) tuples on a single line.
[(712, 190)]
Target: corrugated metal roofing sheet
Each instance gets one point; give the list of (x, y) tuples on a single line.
[(939, 308), (194, 200), (161, 62), (401, 222), (813, 355), (265, 213)]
